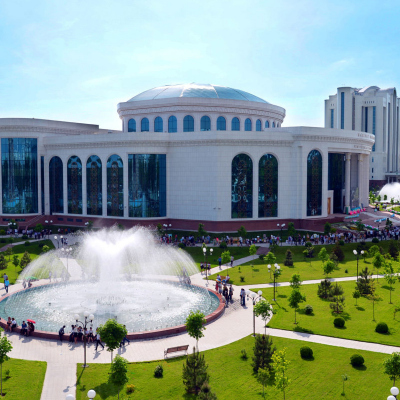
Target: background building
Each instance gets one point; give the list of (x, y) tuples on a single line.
[(186, 154)]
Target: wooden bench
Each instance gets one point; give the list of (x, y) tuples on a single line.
[(176, 350)]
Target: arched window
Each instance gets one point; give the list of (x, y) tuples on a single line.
[(277, 125), (273, 124), (314, 183), (132, 125), (242, 187), (115, 186), (74, 177), (205, 123), (247, 124), (172, 124), (56, 191), (235, 124), (267, 124), (268, 186), (221, 124), (158, 125), (94, 186), (188, 124), (145, 126), (258, 125)]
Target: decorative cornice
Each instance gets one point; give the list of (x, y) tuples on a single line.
[(43, 129)]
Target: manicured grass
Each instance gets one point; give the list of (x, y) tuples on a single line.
[(359, 323), (232, 378), (26, 379), (307, 270)]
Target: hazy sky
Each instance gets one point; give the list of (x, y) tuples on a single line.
[(75, 60)]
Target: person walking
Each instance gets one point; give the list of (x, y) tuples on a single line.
[(125, 339), (232, 258), (61, 333), (6, 284), (98, 340), (219, 262)]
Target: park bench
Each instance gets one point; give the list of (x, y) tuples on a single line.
[(176, 350)]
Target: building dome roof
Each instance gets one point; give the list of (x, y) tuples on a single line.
[(196, 90)]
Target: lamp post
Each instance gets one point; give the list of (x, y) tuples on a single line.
[(281, 225), (269, 270), (88, 318), (47, 227), (355, 252), (205, 259), (394, 393), (56, 238), (69, 397), (66, 251), (276, 273), (91, 394), (254, 299)]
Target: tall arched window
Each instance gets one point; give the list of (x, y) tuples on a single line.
[(221, 124), (158, 125), (188, 124), (145, 126), (268, 186), (56, 186), (205, 123), (115, 186), (267, 124), (278, 125), (314, 183), (258, 125), (132, 125), (74, 177), (247, 124), (235, 124), (172, 124), (94, 186), (273, 124), (242, 187)]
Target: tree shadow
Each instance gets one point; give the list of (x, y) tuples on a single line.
[(345, 315), (256, 270), (282, 296), (387, 287), (361, 368), (360, 308), (308, 358), (300, 329)]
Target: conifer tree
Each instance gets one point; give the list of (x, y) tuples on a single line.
[(194, 372), (263, 351)]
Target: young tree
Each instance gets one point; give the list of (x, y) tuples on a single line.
[(359, 225), (112, 334), (15, 261), (9, 252), (160, 229), (324, 288), (392, 367), (289, 259), (263, 377), (280, 366), (206, 393), (373, 297), (327, 228), (356, 295), (118, 372), (393, 249), (195, 326), (3, 261), (263, 352), (242, 232), (263, 309), (384, 197), (295, 281), (328, 267), (337, 250), (270, 258), (291, 230), (344, 379), (390, 277), (295, 299), (373, 250), (253, 250), (225, 257), (194, 372), (25, 260), (5, 348), (38, 228), (392, 201), (364, 279), (323, 254), (201, 231)]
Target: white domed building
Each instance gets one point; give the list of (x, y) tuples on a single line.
[(186, 154)]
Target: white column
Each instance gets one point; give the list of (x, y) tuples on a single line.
[(360, 179), (347, 180), (84, 188), (104, 185)]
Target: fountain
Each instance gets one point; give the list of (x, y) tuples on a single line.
[(392, 190), (126, 275)]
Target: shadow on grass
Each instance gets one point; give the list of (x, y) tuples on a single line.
[(282, 296), (308, 358), (300, 329), (360, 308), (387, 287), (361, 368), (345, 315), (341, 328)]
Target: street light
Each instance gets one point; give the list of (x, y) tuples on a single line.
[(62, 242), (254, 299), (355, 252), (66, 251), (70, 397), (395, 392), (58, 244), (88, 318), (205, 258), (269, 270), (276, 273), (282, 225), (91, 394)]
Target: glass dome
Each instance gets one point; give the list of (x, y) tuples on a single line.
[(196, 90)]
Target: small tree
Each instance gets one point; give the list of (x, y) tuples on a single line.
[(5, 348), (327, 228), (393, 249), (323, 254), (373, 297), (25, 260), (38, 228), (263, 352), (9, 252), (324, 288), (356, 295), (206, 393), (378, 261), (344, 379), (270, 258), (390, 277), (225, 257), (160, 229), (15, 261), (195, 326), (280, 366), (263, 377), (373, 250), (364, 279), (263, 309), (112, 334), (194, 372), (328, 267), (253, 250), (3, 261), (242, 232), (379, 198), (384, 197), (359, 225), (295, 281), (291, 230), (392, 201), (289, 259), (337, 250), (392, 367), (13, 225), (295, 299), (201, 231), (118, 372)]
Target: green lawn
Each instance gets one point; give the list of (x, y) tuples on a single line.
[(232, 378), (359, 323), (26, 379), (307, 270)]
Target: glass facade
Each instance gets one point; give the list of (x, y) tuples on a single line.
[(42, 181), (74, 176), (172, 124), (341, 110), (188, 124), (115, 186), (332, 119), (267, 124), (56, 188), (94, 186), (268, 186), (373, 125), (158, 125), (235, 124), (147, 185), (131, 125), (314, 183), (144, 125), (258, 125), (205, 123), (336, 175), (247, 125), (242, 187), (221, 124), (273, 124), (366, 119), (19, 165)]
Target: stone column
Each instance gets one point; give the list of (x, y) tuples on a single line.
[(347, 180), (360, 179)]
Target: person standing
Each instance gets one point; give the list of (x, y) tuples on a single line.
[(98, 339), (243, 297), (61, 333), (219, 262), (232, 258)]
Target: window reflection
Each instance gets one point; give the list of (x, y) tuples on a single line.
[(188, 124), (158, 125), (145, 126), (268, 186), (74, 180), (132, 125), (205, 123), (94, 186), (221, 124), (115, 192), (247, 124), (242, 187), (235, 124), (258, 125), (172, 124)]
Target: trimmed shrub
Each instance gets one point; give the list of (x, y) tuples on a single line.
[(241, 278), (375, 240), (341, 242), (346, 271), (158, 371), (339, 322), (181, 245), (27, 243), (2, 232), (308, 309), (223, 245), (382, 327), (243, 355), (130, 388), (261, 257), (306, 352), (308, 244), (356, 360)]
